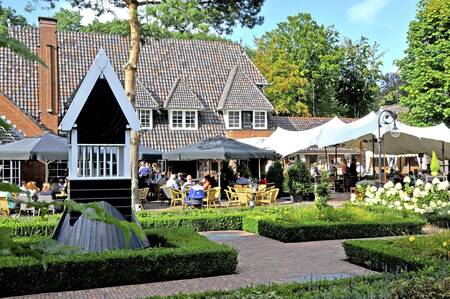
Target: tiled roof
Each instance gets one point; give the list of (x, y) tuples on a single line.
[(182, 97), (205, 65), (241, 93), (9, 135), (298, 123), (144, 98)]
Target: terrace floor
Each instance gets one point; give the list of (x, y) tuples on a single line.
[(261, 261)]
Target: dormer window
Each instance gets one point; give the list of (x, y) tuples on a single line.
[(146, 118), (183, 119), (247, 120)]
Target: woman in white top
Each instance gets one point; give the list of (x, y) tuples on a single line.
[(188, 182), (172, 182)]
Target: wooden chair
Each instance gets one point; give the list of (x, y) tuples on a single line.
[(212, 197), (143, 193), (4, 208), (262, 187), (274, 195), (176, 197), (232, 197), (243, 198), (262, 197)]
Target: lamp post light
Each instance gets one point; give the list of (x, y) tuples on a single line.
[(386, 117)]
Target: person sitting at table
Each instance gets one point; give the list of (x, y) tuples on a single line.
[(32, 189), (24, 186), (241, 180), (46, 189), (172, 182), (189, 182), (161, 179), (207, 183)]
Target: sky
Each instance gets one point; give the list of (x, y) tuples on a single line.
[(383, 21)]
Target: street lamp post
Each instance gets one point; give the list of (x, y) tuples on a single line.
[(386, 117)]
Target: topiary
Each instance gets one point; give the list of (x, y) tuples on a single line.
[(298, 179), (434, 166), (323, 192), (275, 174), (244, 171)]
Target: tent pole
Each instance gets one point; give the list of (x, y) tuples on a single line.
[(46, 171), (326, 158), (259, 169), (360, 159), (335, 171), (373, 158), (443, 157)]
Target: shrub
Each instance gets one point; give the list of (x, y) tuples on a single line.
[(298, 179), (275, 174), (421, 288), (30, 226), (323, 192), (244, 171), (434, 165), (191, 255), (197, 223)]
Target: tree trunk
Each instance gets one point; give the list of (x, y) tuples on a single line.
[(130, 84)]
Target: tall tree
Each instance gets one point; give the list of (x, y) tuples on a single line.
[(68, 20), (9, 16), (390, 93), (224, 15), (359, 73), (300, 58), (426, 67)]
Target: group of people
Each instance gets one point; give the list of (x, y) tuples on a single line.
[(181, 183)]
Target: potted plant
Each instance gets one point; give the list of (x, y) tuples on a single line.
[(434, 166), (297, 181), (323, 192), (275, 174)]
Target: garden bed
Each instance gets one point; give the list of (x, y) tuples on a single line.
[(397, 254), (185, 254)]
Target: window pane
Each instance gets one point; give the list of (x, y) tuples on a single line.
[(145, 116), (233, 119), (177, 119), (260, 119), (247, 119), (190, 119)]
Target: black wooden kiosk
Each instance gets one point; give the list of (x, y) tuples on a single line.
[(98, 123)]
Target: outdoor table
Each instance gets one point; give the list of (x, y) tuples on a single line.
[(61, 195)]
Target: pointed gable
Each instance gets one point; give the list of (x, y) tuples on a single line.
[(144, 97), (100, 68), (240, 93), (182, 97)]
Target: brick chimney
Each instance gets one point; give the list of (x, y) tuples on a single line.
[(48, 75)]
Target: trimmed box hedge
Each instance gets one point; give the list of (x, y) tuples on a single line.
[(301, 232), (30, 226), (381, 255), (187, 255)]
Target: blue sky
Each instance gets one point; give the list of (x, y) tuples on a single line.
[(383, 21)]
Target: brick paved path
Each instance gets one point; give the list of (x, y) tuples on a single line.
[(261, 260)]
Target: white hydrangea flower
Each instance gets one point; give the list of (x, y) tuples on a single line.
[(442, 186), (407, 180), (433, 204), (398, 186), (416, 192), (353, 197), (406, 198), (435, 181), (424, 193), (397, 203), (414, 199), (383, 202), (389, 185), (419, 182), (400, 208), (373, 188), (448, 212), (428, 186)]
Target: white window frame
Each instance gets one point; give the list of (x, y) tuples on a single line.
[(14, 167), (227, 120), (183, 126), (139, 113), (254, 120)]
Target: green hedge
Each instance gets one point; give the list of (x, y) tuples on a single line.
[(189, 255), (196, 222), (300, 232), (30, 226), (381, 255)]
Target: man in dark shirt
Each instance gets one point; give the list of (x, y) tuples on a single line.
[(353, 173)]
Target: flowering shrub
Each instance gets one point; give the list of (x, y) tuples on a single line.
[(421, 198)]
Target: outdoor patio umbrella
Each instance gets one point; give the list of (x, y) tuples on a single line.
[(45, 148), (218, 148), (147, 153)]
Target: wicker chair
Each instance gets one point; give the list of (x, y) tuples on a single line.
[(212, 197)]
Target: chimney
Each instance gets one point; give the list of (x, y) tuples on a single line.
[(48, 75)]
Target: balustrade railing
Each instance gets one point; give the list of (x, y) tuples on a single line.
[(100, 160)]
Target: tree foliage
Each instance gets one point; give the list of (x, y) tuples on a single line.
[(425, 69), (68, 20), (390, 89), (311, 72)]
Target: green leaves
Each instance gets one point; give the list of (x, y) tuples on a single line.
[(18, 48), (425, 69)]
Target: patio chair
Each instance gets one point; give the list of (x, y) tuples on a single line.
[(262, 187), (263, 197), (143, 193), (4, 208), (274, 195), (46, 199), (212, 197), (176, 197), (23, 207), (232, 197), (243, 198)]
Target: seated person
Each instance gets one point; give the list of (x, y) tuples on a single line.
[(172, 182), (46, 189), (161, 179), (241, 180), (263, 180), (207, 182), (189, 182)]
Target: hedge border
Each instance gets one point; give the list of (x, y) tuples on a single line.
[(188, 255), (380, 255)]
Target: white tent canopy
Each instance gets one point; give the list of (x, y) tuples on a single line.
[(361, 132)]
